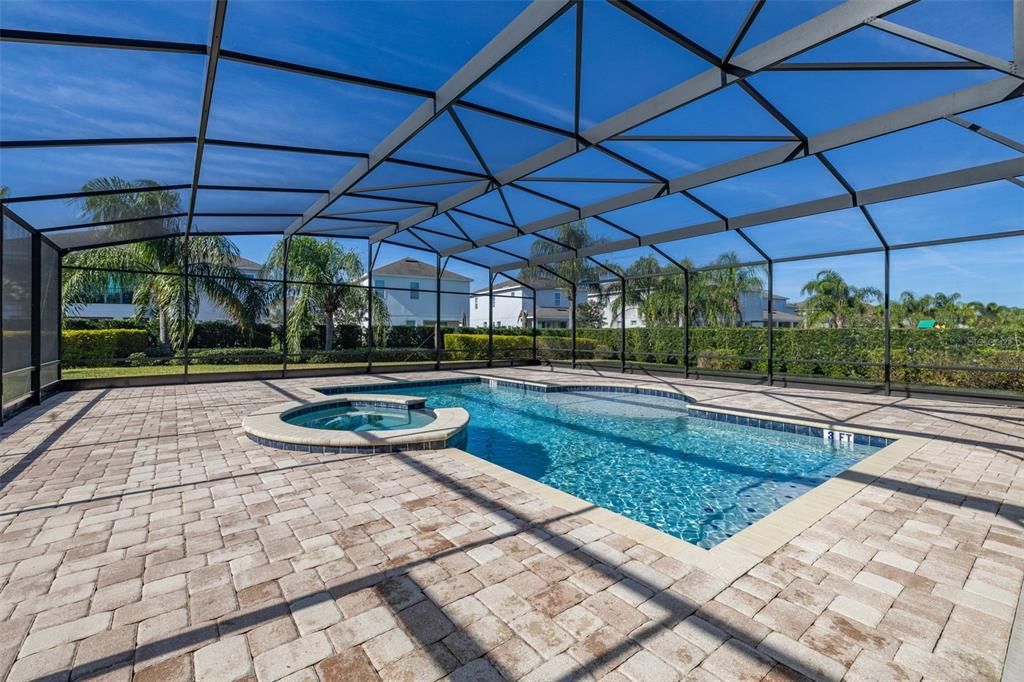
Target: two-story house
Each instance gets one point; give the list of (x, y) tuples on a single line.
[(407, 288), (513, 305), (753, 311), (115, 301)]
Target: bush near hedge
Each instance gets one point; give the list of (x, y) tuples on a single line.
[(82, 345)]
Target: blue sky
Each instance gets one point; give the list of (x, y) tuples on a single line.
[(65, 92)]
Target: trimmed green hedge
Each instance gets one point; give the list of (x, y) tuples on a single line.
[(510, 346), (853, 354), (90, 323), (82, 345)]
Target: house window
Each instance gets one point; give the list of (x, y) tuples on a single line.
[(414, 290), (410, 323), (379, 283), (476, 304), (558, 298)]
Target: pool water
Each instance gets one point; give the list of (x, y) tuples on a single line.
[(642, 456), (348, 418)]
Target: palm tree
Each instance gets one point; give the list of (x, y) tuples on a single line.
[(725, 286), (715, 295), (664, 302), (573, 235), (908, 308), (317, 271), (989, 314), (643, 280), (832, 300), (153, 268)]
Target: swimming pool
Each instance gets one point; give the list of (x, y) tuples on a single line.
[(642, 456)]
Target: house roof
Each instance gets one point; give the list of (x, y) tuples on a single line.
[(782, 316), (534, 283), (551, 313), (246, 264), (410, 267)]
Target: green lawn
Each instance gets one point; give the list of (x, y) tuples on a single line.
[(170, 370)]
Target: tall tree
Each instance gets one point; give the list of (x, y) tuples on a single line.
[(721, 289), (572, 235), (834, 302), (318, 270), (590, 315), (153, 268), (641, 274)]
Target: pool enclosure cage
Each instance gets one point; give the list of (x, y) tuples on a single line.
[(663, 170)]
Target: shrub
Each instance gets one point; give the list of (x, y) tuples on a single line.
[(921, 368), (232, 356), (325, 357), (142, 360), (220, 334), (720, 358), (83, 345), (90, 323)]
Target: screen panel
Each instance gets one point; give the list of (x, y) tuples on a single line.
[(955, 320), (17, 311), (49, 316), (829, 319)]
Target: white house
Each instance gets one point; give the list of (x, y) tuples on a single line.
[(753, 311), (513, 305), (407, 287), (115, 302)]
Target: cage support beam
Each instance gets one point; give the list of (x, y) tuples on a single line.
[(826, 26), (950, 48), (531, 21), (925, 112), (975, 175)]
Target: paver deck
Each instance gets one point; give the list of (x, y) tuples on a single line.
[(143, 535)]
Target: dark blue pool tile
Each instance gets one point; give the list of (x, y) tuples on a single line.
[(755, 422)]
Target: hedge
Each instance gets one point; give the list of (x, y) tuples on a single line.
[(231, 356), (509, 346), (854, 354), (82, 345), (90, 323)]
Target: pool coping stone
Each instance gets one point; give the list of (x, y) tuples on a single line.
[(267, 427)]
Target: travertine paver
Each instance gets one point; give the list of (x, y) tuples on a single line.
[(142, 534)]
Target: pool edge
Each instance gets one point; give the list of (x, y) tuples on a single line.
[(737, 554)]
